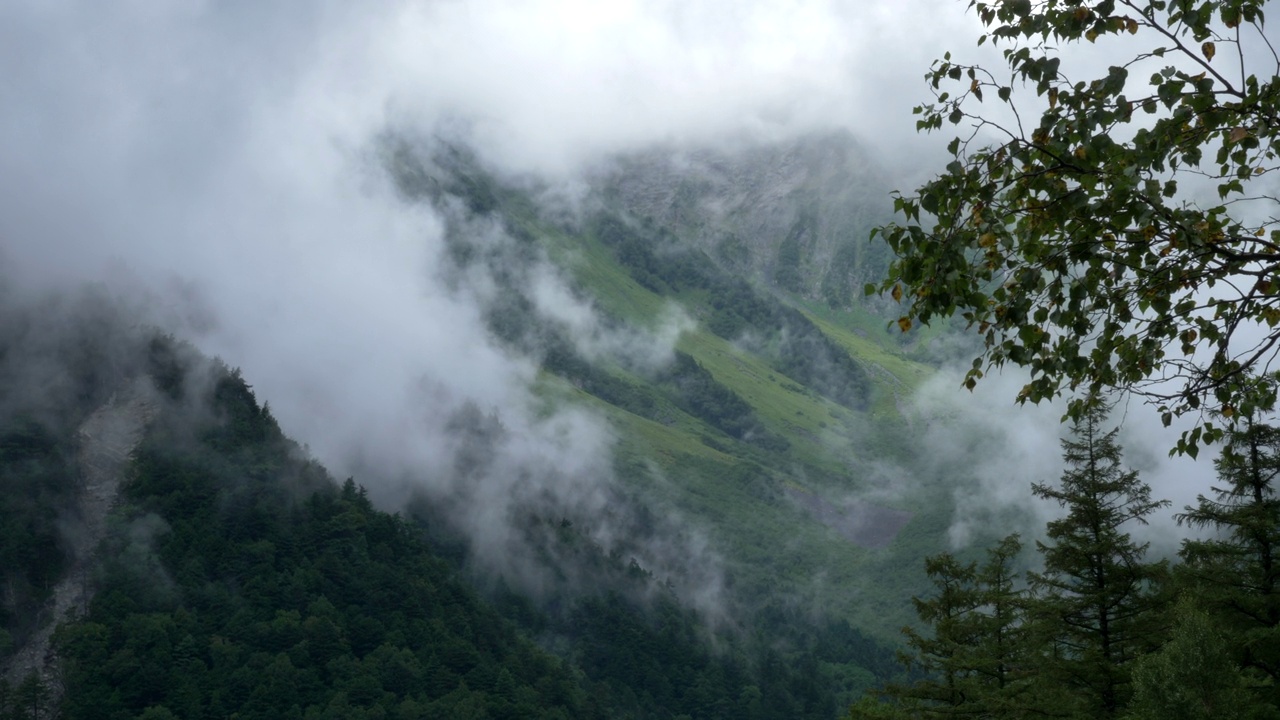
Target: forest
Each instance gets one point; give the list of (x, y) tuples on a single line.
[(1100, 629), (240, 579)]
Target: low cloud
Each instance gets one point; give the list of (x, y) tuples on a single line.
[(216, 168), (989, 450), (645, 350), (216, 164)]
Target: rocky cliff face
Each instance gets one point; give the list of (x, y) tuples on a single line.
[(793, 214)]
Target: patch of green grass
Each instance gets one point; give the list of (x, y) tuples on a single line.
[(786, 407), (897, 377), (733, 491), (848, 328), (614, 291)]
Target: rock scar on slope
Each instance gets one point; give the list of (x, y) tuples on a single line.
[(861, 523), (106, 439)]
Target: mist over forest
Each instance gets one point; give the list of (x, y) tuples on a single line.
[(526, 359)]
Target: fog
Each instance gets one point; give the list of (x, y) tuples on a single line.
[(215, 163), (989, 450), (215, 156)]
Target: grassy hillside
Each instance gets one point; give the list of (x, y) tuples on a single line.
[(777, 428), (236, 577), (748, 496)]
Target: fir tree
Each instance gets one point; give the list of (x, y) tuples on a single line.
[(1094, 602), (1235, 574), (1002, 651), (944, 653), (973, 655), (31, 699)]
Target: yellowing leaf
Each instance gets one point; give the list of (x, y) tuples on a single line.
[(1237, 134), (1208, 49), (1053, 98), (897, 293), (1131, 25), (1090, 35), (904, 323)]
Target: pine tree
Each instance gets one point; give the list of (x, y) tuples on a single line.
[(31, 698), (1236, 575), (1094, 602)]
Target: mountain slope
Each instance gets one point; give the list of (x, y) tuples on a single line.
[(760, 537), (770, 425), (242, 580), (233, 576), (106, 440), (237, 578)]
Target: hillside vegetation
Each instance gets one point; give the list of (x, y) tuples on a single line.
[(768, 422), (237, 577)]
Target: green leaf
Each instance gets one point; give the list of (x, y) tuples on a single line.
[(1081, 226)]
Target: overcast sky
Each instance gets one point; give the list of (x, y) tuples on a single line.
[(213, 156)]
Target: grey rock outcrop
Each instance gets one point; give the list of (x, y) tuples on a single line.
[(106, 440)]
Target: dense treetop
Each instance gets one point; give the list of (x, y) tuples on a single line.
[(1106, 229)]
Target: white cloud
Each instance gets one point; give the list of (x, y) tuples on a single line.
[(211, 156), (989, 451)]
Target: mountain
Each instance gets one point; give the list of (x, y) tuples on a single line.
[(776, 424), (793, 215), (169, 552)]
